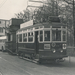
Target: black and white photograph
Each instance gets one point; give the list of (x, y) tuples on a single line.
[(37, 37)]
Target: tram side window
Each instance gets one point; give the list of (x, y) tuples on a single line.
[(46, 35), (30, 37), (41, 35), (56, 35), (25, 37), (20, 37), (64, 35)]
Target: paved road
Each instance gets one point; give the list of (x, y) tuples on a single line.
[(12, 65)]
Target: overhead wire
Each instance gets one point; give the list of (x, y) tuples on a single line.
[(3, 3)]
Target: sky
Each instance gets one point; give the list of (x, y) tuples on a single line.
[(8, 8)]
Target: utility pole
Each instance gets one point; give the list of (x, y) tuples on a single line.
[(74, 21)]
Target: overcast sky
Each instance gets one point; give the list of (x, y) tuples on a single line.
[(8, 8)]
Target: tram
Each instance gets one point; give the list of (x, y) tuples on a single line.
[(42, 41)]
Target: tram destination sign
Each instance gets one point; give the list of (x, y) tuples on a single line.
[(46, 46)]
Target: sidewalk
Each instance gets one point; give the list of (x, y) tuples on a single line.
[(70, 59)]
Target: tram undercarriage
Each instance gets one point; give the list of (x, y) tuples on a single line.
[(38, 59)]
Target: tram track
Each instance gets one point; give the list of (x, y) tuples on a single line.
[(27, 69)]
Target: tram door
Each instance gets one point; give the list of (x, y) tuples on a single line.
[(36, 42)]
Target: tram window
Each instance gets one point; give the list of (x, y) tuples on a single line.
[(41, 35), (30, 37), (46, 35), (20, 37), (25, 37), (56, 35), (64, 35)]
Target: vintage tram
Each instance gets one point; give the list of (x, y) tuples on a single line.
[(42, 41)]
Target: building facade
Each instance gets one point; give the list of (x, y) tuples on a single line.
[(3, 26)]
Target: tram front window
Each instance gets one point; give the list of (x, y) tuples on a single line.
[(47, 36), (56, 35)]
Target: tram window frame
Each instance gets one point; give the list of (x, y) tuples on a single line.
[(25, 37), (47, 37), (21, 38), (56, 36), (31, 36)]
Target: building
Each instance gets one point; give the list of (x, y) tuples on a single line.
[(3, 25)]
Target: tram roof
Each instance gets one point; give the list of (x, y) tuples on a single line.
[(44, 24)]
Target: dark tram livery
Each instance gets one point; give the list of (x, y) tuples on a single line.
[(42, 41)]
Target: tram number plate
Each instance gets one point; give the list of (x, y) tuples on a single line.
[(46, 46)]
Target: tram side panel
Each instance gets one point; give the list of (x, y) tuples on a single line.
[(26, 49)]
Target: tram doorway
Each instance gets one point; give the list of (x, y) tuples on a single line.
[(36, 42)]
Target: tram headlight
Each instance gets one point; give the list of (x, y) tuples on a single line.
[(54, 50), (64, 46), (61, 51)]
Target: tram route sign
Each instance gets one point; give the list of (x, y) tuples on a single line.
[(46, 46)]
